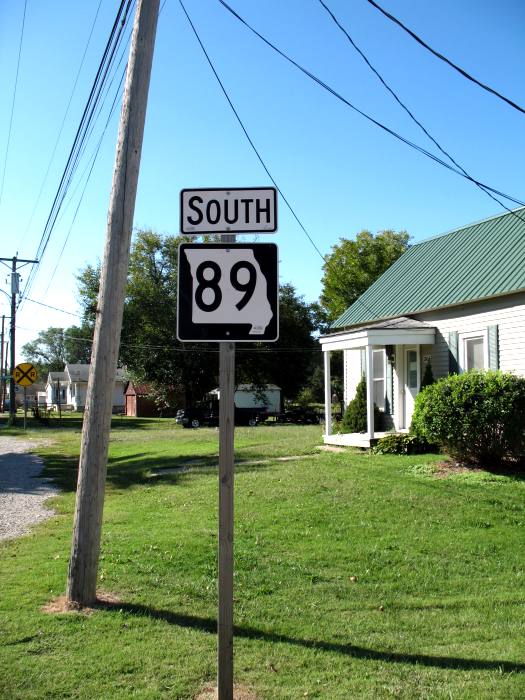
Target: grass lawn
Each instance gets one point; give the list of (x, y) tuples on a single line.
[(357, 576)]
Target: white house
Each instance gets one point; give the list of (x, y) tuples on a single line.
[(71, 386), (456, 302), (56, 389)]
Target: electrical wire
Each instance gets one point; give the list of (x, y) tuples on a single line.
[(62, 124), (13, 101), (285, 200), (365, 306), (377, 123), (55, 308), (93, 161), (86, 122), (409, 112), (445, 59)]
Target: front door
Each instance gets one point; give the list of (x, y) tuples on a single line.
[(412, 382)]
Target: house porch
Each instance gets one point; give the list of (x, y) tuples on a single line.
[(399, 336)]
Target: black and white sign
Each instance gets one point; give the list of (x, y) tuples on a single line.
[(228, 291), (231, 210)]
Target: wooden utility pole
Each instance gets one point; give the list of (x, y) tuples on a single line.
[(15, 289), (85, 547)]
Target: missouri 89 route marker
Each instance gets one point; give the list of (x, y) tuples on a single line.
[(228, 292)]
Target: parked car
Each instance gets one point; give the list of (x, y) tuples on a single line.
[(208, 415), (301, 416)]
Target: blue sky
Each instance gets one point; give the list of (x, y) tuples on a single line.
[(340, 173)]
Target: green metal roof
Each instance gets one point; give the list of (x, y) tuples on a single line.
[(484, 259)]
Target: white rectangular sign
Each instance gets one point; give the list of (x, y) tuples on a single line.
[(233, 210)]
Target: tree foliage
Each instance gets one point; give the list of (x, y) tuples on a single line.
[(55, 347), (353, 265), (149, 346)]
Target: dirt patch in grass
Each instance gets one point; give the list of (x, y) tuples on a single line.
[(61, 605), (447, 468), (240, 692), (331, 448)]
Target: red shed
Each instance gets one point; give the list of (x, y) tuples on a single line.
[(138, 403)]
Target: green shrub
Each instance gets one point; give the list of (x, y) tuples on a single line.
[(428, 376), (402, 444), (477, 417), (355, 418)]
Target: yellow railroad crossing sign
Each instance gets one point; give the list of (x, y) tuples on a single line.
[(25, 374)]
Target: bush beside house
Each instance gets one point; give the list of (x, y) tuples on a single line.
[(354, 417), (477, 417)]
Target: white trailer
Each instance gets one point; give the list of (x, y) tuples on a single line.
[(248, 396)]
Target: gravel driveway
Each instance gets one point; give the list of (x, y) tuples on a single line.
[(22, 491)]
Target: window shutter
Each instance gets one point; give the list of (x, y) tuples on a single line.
[(453, 353), (493, 349)]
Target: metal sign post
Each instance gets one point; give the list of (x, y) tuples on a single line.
[(227, 292), (24, 375)]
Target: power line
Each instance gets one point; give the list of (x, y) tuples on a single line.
[(13, 101), (86, 122), (377, 123), (409, 112), (63, 122), (445, 59), (93, 161), (248, 136), (55, 308), (365, 306)]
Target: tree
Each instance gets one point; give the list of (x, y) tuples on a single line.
[(55, 347), (353, 265), (290, 361), (151, 351)]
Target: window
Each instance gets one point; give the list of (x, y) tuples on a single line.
[(412, 369), (378, 377), (473, 351)]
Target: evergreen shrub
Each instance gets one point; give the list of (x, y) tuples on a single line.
[(354, 418), (402, 444)]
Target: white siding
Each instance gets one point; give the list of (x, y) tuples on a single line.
[(508, 313), (118, 395), (352, 373)]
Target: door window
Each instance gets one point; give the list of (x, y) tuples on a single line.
[(412, 369)]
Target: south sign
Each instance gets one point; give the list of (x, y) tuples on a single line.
[(233, 210)]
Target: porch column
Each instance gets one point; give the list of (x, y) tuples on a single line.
[(327, 395), (370, 391)]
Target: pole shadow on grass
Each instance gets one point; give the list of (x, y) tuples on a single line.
[(141, 468), (209, 625)]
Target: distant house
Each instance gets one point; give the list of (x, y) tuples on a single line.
[(455, 302), (56, 389), (70, 387)]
